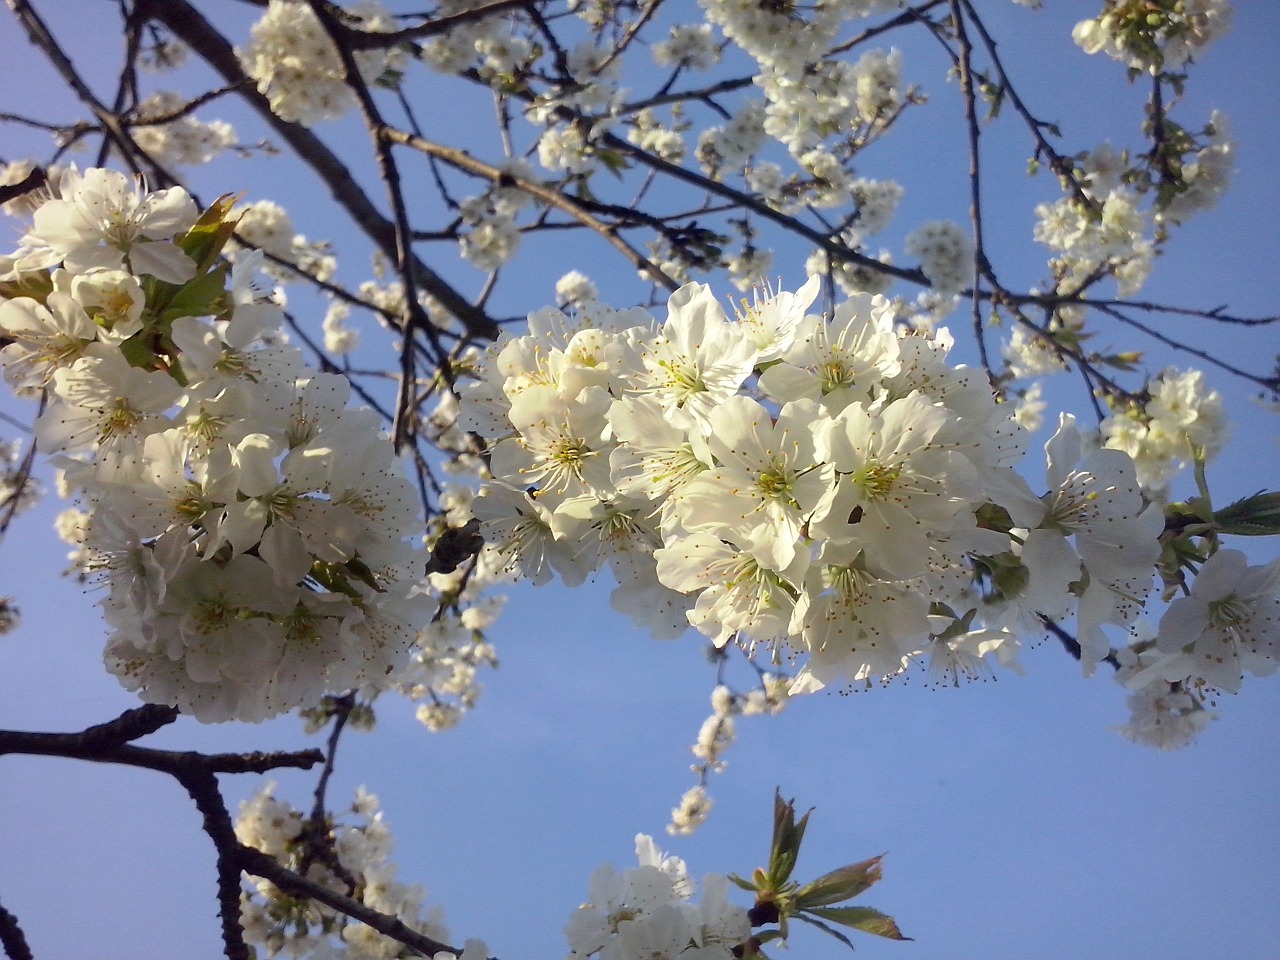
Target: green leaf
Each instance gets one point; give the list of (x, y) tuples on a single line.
[(204, 242), (37, 286), (787, 835), (613, 161), (138, 352), (991, 516), (1127, 361), (742, 884), (862, 918), (1255, 516), (331, 577), (844, 883)]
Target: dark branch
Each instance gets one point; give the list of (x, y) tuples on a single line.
[(12, 938), (194, 30), (261, 865)]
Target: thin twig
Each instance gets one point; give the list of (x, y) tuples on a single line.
[(416, 318), (981, 265)]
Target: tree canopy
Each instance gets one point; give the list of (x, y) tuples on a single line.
[(843, 346)]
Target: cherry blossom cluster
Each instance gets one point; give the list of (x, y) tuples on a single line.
[(1225, 626), (945, 253), (1117, 211), (1111, 234), (172, 136), (1118, 208), (351, 858), (1174, 421), (649, 911), (1154, 36), (247, 526), (828, 487), (1179, 421), (299, 70), (267, 226), (717, 734), (820, 107)]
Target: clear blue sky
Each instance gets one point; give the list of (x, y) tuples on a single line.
[(1018, 826)]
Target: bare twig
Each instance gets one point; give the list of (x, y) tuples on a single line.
[(548, 195), (981, 266), (416, 318)]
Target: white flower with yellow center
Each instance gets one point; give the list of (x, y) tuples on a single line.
[(895, 486), (855, 625), (769, 479), (1228, 624), (1097, 502), (561, 449), (697, 362), (840, 359), (738, 595)]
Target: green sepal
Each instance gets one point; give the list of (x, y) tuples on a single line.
[(360, 570), (1008, 575), (36, 285)]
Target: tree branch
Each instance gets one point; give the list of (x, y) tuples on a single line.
[(12, 938), (203, 789), (185, 22), (548, 195), (268, 868)]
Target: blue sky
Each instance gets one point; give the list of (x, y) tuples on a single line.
[(1018, 825)]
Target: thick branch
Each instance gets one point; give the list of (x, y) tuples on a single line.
[(12, 938), (203, 789), (110, 743), (371, 40)]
